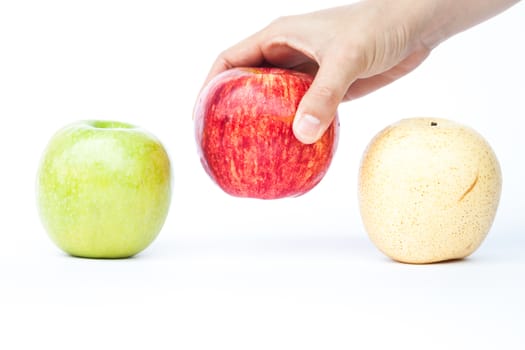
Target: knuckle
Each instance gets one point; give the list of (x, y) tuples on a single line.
[(353, 55), (276, 27), (350, 52), (223, 61)]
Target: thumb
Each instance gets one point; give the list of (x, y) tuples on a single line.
[(318, 106)]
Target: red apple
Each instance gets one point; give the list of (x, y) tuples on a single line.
[(243, 125)]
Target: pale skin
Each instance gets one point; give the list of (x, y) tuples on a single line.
[(354, 49)]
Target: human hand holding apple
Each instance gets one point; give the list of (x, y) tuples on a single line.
[(103, 189), (243, 128)]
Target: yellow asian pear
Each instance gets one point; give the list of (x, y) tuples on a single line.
[(429, 189)]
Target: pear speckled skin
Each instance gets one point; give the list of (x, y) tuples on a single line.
[(103, 189), (428, 190)]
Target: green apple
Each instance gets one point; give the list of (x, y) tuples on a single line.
[(103, 189)]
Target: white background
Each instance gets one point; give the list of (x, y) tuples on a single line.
[(228, 273)]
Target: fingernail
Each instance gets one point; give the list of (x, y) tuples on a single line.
[(307, 128)]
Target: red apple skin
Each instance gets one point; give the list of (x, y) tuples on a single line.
[(243, 124)]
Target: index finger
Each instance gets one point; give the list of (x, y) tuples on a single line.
[(247, 53)]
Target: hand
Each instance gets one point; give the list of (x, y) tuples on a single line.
[(352, 50)]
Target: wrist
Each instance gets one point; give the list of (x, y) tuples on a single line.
[(446, 18)]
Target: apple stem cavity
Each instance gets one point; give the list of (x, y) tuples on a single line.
[(109, 124)]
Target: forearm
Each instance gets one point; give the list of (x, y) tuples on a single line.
[(449, 17)]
